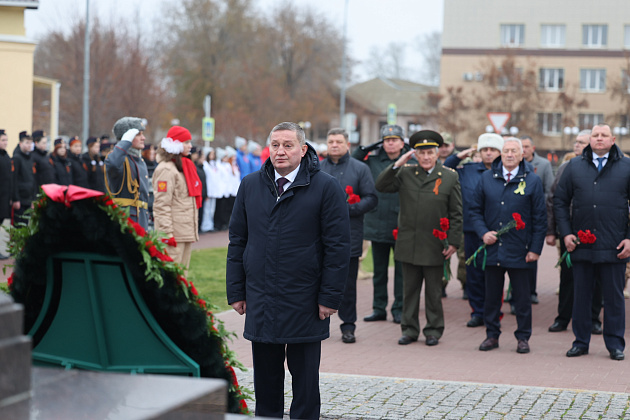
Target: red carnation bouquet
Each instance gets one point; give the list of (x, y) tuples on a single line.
[(516, 222), (584, 237), (442, 236), (352, 197)]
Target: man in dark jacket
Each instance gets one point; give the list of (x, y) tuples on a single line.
[(381, 222), (287, 266), (428, 192), (127, 176), (565, 292), (6, 186), (509, 187), (350, 173), (489, 146), (597, 184), (25, 184), (42, 162)]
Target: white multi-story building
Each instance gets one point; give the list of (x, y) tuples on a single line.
[(577, 47)]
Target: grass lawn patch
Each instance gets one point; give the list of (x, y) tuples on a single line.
[(207, 271)]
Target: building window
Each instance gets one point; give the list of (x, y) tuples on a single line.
[(512, 35), (588, 121), (594, 36), (593, 80), (626, 36), (551, 79), (549, 123), (552, 36)]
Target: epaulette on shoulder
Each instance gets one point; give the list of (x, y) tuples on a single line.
[(450, 169), (410, 165)]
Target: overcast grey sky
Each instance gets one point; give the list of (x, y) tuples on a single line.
[(370, 22)]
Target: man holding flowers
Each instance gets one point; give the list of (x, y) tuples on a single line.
[(509, 195), (428, 193), (597, 184)]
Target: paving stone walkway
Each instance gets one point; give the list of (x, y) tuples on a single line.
[(376, 397)]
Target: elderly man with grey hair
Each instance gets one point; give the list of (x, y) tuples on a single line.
[(565, 292), (510, 187), (126, 174)]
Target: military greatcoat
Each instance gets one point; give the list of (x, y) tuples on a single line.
[(424, 199)]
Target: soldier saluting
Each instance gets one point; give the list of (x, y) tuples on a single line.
[(127, 177)]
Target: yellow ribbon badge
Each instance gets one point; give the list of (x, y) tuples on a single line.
[(521, 188)]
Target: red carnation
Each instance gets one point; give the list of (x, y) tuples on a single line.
[(349, 190), (520, 225), (395, 234), (110, 202), (439, 234), (182, 279), (10, 280), (353, 199), (444, 224), (139, 229), (170, 241), (194, 289), (201, 303), (164, 257), (153, 251), (586, 237)]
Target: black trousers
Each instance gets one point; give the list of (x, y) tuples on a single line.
[(565, 295), (303, 361), (612, 278), (475, 278), (348, 308), (519, 279), (18, 215)]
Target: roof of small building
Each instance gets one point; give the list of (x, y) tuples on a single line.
[(376, 94), (29, 4)]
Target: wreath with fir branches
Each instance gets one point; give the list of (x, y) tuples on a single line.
[(92, 222)]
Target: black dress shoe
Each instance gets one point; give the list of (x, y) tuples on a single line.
[(616, 354), (3, 257), (375, 317), (512, 309), (443, 291), (557, 326), (405, 339), (522, 346), (475, 321), (397, 318), (431, 341), (577, 351), (596, 328), (489, 344), (348, 337), (534, 299)]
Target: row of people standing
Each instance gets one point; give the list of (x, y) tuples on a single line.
[(31, 166)]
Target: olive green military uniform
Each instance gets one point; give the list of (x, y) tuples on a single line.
[(424, 199)]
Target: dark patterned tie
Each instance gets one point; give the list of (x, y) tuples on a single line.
[(281, 183), (509, 176)]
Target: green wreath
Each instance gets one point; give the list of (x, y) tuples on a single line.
[(96, 224)]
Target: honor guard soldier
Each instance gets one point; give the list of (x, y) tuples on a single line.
[(127, 178)]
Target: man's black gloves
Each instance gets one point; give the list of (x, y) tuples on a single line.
[(372, 146)]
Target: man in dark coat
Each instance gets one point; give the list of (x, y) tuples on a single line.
[(127, 176), (428, 192), (42, 162), (287, 266), (597, 185), (25, 184), (6, 186), (350, 173), (381, 222), (489, 145), (565, 292), (509, 187), (78, 167)]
